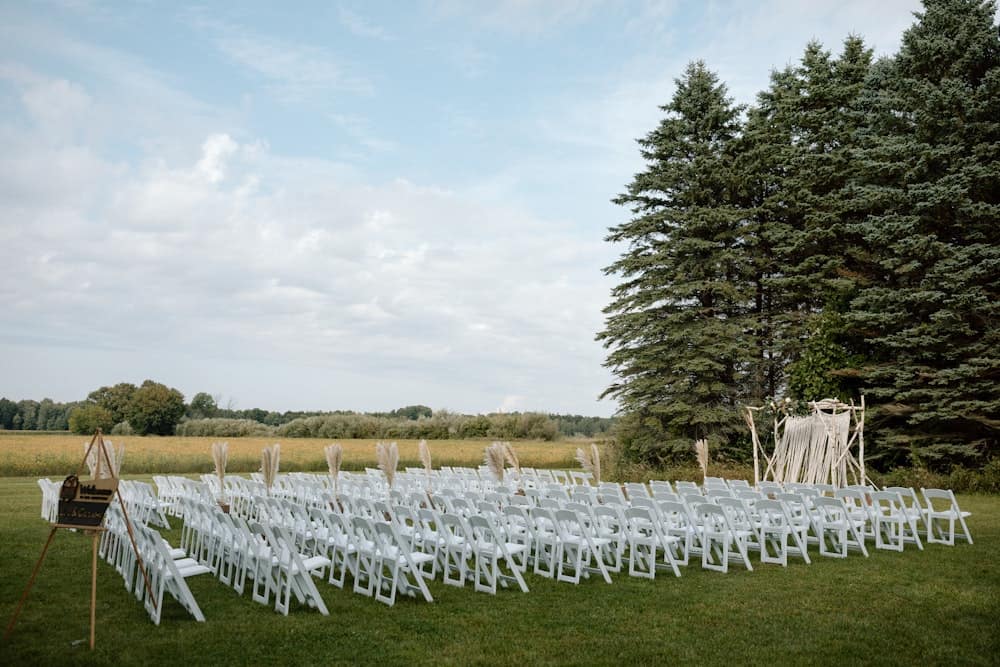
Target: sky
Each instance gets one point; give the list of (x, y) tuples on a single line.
[(345, 205)]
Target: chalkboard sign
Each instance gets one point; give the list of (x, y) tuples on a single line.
[(84, 502)]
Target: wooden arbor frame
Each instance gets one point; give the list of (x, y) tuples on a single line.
[(825, 447)]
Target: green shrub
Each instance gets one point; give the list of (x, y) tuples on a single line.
[(87, 418), (224, 428), (122, 428)]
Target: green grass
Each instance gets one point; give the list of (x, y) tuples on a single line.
[(938, 606)]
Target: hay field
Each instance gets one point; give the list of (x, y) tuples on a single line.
[(61, 453)]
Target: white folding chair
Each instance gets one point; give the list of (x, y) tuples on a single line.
[(581, 550), (721, 543), (833, 522), (776, 527), (166, 575), (910, 505), (454, 549), (291, 573), (520, 529), (489, 551), (646, 539), (890, 520), (398, 566), (548, 546), (943, 510), (676, 522)]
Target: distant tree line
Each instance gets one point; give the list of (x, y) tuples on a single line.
[(153, 408), (29, 415), (840, 237)]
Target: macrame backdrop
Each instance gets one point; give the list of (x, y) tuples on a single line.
[(823, 447)]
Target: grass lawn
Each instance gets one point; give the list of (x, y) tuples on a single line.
[(938, 606)]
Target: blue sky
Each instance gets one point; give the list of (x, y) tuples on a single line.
[(337, 205)]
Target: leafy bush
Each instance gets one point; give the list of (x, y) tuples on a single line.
[(90, 417), (122, 428), (442, 425), (959, 479), (155, 409), (224, 428)]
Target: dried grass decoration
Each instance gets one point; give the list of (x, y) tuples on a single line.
[(334, 457), (590, 461), (701, 450), (512, 459), (387, 455), (99, 466), (496, 455), (220, 456), (425, 458), (269, 459)]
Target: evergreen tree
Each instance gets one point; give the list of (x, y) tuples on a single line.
[(676, 326), (929, 181), (797, 162)]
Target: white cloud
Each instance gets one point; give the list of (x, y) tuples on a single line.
[(240, 256), (361, 26), (214, 153), (518, 17), (293, 72), (360, 129)]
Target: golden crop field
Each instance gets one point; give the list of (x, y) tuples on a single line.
[(60, 454)]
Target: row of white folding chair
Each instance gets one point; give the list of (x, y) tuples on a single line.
[(380, 561), (830, 531), (722, 529), (282, 569), (378, 512), (560, 544), (881, 516), (380, 567), (443, 534), (115, 545), (811, 518), (227, 546), (466, 508), (468, 549), (142, 503), (746, 530), (168, 491), (863, 515), (719, 535), (50, 499), (191, 489), (166, 567), (610, 529), (896, 513), (166, 573)]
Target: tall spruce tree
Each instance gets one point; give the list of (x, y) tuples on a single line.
[(799, 138), (676, 326), (929, 181)]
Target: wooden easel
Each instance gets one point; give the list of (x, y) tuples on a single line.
[(95, 533)]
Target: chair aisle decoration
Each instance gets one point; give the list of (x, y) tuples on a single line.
[(220, 456)]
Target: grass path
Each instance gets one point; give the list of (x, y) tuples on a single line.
[(938, 606)]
